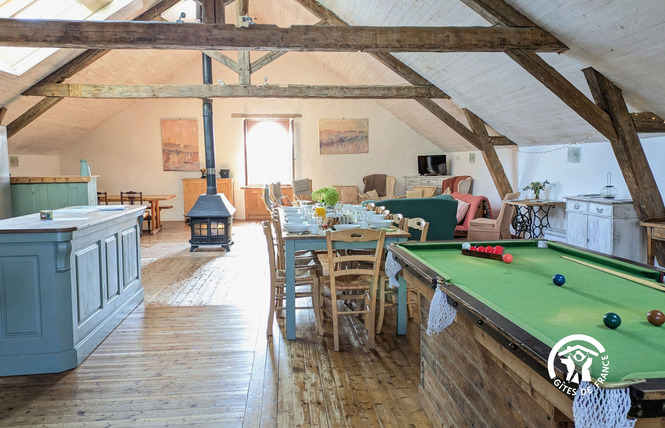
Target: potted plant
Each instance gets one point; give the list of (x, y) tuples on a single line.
[(326, 195), (537, 187)]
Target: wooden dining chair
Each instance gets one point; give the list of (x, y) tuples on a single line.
[(398, 220), (352, 277), (306, 282), (102, 198), (303, 258), (136, 198), (387, 295)]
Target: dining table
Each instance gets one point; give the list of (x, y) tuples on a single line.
[(317, 242), (153, 201)]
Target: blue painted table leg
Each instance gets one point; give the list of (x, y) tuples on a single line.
[(290, 261), (401, 306)]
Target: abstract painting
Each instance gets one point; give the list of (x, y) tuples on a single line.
[(343, 136), (180, 144)]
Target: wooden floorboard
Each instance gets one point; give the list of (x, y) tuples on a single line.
[(195, 354)]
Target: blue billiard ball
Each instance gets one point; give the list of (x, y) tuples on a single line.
[(466, 246), (558, 279), (612, 320)]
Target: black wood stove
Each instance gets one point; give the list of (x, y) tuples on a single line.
[(211, 217), (210, 221)]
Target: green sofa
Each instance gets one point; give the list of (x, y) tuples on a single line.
[(440, 211)]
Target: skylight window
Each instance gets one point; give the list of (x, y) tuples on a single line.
[(18, 60)]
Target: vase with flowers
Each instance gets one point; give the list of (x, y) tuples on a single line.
[(537, 187)]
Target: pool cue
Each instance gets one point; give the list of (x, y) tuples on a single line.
[(629, 277)]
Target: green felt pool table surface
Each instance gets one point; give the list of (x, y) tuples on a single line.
[(523, 293)]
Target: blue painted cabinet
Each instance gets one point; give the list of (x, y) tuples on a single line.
[(33, 194), (65, 284)]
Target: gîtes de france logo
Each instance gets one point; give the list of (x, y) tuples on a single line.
[(578, 350)]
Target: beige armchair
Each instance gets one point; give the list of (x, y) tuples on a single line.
[(485, 229), (379, 187), (349, 194)]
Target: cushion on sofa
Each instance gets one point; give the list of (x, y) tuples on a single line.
[(462, 209)]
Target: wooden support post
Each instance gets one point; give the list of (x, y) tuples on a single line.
[(244, 68), (489, 154), (629, 152)]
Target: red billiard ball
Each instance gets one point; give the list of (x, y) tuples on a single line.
[(507, 258), (489, 249), (656, 318), (473, 249), (480, 249), (498, 249)]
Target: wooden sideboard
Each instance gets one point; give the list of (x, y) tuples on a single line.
[(254, 207), (33, 194), (192, 188), (610, 226)]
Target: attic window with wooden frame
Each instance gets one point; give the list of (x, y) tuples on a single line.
[(268, 151), (18, 60)]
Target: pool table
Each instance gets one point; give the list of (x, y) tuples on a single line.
[(512, 315)]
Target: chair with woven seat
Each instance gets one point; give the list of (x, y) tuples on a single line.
[(353, 277), (102, 198), (276, 196), (387, 294), (487, 229), (136, 198), (306, 282), (303, 258), (348, 194)]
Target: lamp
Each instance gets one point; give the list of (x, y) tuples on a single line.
[(180, 19)]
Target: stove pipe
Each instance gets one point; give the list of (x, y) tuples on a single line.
[(208, 131)]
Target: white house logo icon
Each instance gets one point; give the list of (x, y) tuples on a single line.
[(577, 352)]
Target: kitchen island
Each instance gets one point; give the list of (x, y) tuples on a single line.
[(65, 284)]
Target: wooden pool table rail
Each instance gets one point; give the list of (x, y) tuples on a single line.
[(648, 396)]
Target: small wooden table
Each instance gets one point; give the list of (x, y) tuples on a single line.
[(154, 208), (531, 216), (655, 232)]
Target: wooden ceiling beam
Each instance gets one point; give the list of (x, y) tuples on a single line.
[(648, 122), (492, 160), (33, 113), (501, 140), (223, 59), (265, 60), (629, 152), (498, 12), (566, 91), (406, 73), (74, 66), (3, 112), (306, 38), (450, 120), (74, 90)]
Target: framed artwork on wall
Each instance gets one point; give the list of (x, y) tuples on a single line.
[(180, 144), (343, 136)]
